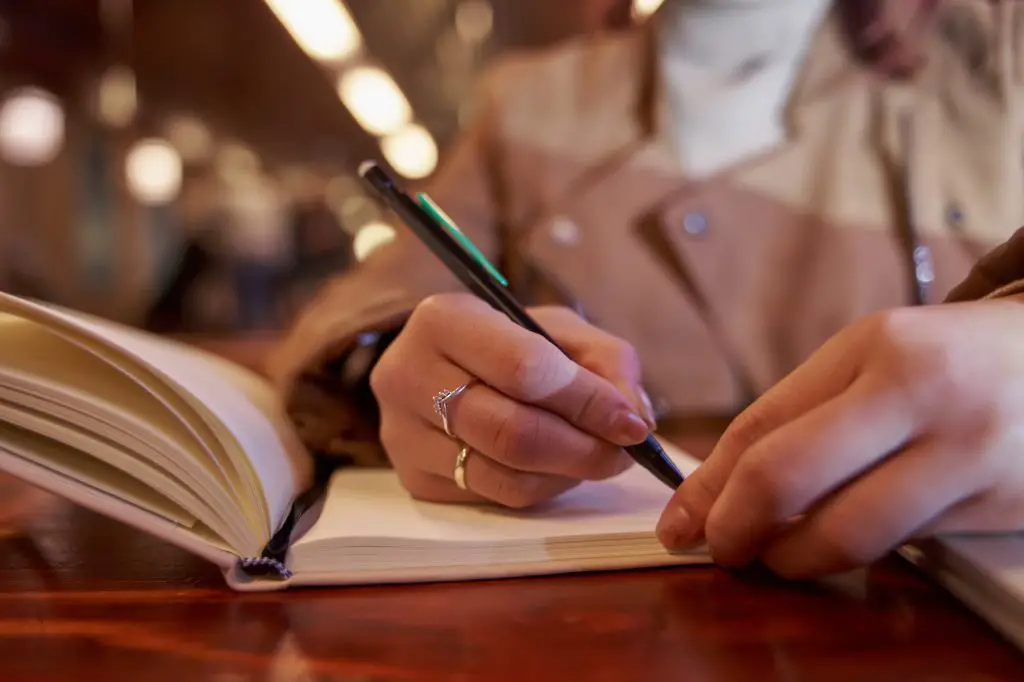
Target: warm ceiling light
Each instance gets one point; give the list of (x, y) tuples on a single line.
[(371, 237), (191, 138), (323, 28), (374, 100), (474, 20), (645, 8), (237, 164), (117, 99), (153, 170), (411, 151), (31, 127)]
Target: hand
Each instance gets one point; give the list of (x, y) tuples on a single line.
[(537, 423), (907, 424)]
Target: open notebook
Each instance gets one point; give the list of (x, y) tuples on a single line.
[(199, 452)]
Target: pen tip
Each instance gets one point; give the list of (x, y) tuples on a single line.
[(366, 166)]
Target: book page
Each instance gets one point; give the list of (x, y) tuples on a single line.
[(247, 407), (238, 413), (91, 472), (57, 389), (371, 504)]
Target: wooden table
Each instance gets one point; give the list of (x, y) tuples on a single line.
[(83, 598)]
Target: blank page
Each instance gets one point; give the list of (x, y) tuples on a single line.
[(371, 503)]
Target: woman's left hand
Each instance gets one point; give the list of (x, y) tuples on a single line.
[(906, 424)]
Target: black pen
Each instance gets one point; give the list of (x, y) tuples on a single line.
[(440, 234)]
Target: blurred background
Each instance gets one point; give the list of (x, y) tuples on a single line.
[(187, 166)]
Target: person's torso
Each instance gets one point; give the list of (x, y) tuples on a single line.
[(736, 276)]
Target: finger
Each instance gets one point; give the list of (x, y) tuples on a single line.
[(520, 436), (526, 367), (797, 465), (600, 352), (528, 439), (875, 513), (420, 453), (409, 378), (825, 375)]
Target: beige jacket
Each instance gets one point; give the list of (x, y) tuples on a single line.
[(569, 183)]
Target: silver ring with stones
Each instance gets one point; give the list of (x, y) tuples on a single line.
[(441, 405)]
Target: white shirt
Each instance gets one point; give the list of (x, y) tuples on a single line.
[(728, 67)]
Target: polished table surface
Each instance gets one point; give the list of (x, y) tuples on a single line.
[(84, 598)]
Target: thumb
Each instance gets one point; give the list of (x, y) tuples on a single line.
[(826, 374)]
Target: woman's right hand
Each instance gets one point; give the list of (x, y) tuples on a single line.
[(536, 423)]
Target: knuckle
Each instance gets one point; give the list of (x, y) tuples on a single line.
[(702, 491), (776, 487), (433, 313), (612, 357), (718, 530), (891, 329), (429, 312), (748, 426), (554, 314), (379, 376), (384, 374), (625, 355), (518, 438), (588, 407), (922, 365), (531, 370)]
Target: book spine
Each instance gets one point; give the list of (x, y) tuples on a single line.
[(272, 561), (262, 566)]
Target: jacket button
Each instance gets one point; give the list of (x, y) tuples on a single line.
[(955, 217), (565, 231), (695, 224)]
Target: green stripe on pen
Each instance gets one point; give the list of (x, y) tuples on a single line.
[(440, 216)]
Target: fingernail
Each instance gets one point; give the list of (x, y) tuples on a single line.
[(629, 429), (675, 529), (646, 408)]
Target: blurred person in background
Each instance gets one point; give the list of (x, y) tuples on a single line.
[(199, 277), (258, 241), (22, 271), (715, 193), (321, 248)]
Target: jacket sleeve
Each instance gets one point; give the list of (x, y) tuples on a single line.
[(378, 295), (999, 273)]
